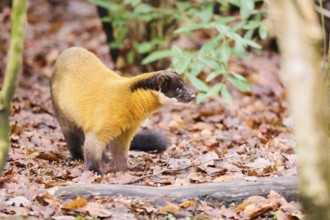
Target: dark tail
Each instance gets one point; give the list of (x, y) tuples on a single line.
[(149, 141)]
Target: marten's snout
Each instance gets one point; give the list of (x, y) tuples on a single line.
[(185, 96)]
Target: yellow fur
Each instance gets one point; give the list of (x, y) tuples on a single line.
[(98, 100)]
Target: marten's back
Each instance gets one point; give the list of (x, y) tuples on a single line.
[(80, 83), (81, 66)]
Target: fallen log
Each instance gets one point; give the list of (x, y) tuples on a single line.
[(222, 192)]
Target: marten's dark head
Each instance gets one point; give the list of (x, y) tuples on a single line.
[(169, 86)]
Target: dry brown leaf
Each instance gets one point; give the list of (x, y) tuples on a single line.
[(242, 206), (45, 199), (188, 203), (86, 177), (19, 201), (223, 178), (96, 210), (206, 133), (260, 163), (207, 159), (254, 210), (76, 203), (6, 176), (170, 208), (202, 217), (202, 126), (253, 172), (47, 156), (280, 215)]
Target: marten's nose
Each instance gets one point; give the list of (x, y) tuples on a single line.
[(192, 96), (189, 97)]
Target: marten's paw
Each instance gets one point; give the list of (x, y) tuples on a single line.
[(93, 166)]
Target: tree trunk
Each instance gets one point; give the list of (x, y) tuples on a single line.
[(223, 192), (12, 71), (299, 36)]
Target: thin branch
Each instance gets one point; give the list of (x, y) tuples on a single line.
[(182, 168), (13, 68), (324, 12)]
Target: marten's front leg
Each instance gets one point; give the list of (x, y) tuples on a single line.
[(118, 156), (119, 148), (93, 151)]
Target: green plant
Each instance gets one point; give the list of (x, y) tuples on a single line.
[(140, 27), (13, 69), (170, 217), (227, 35)]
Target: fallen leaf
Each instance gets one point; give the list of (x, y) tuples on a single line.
[(19, 201), (254, 210), (170, 208), (96, 210), (260, 163), (280, 215), (76, 203), (47, 156), (86, 177), (188, 203)]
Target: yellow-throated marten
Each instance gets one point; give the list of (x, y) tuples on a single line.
[(100, 111)]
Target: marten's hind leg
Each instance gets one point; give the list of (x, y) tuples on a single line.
[(75, 138), (73, 135)]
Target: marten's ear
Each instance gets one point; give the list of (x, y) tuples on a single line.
[(162, 79)]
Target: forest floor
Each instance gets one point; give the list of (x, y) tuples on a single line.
[(210, 142)]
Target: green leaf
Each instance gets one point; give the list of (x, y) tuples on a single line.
[(133, 3), (197, 83), (242, 85), (252, 43), (246, 8), (225, 20), (239, 48), (226, 94), (214, 74), (183, 65), (130, 57), (200, 97), (236, 2), (238, 76), (222, 29), (183, 6), (208, 47), (195, 68), (121, 32), (147, 17), (252, 25), (143, 9), (210, 63), (248, 34), (106, 19), (177, 51), (106, 4), (116, 44), (214, 90), (225, 52), (144, 47), (157, 55), (207, 12), (262, 32), (190, 28)]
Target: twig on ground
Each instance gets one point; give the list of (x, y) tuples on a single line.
[(182, 168)]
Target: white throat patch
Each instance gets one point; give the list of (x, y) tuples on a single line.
[(164, 100)]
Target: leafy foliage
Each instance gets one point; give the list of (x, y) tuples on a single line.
[(227, 35)]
